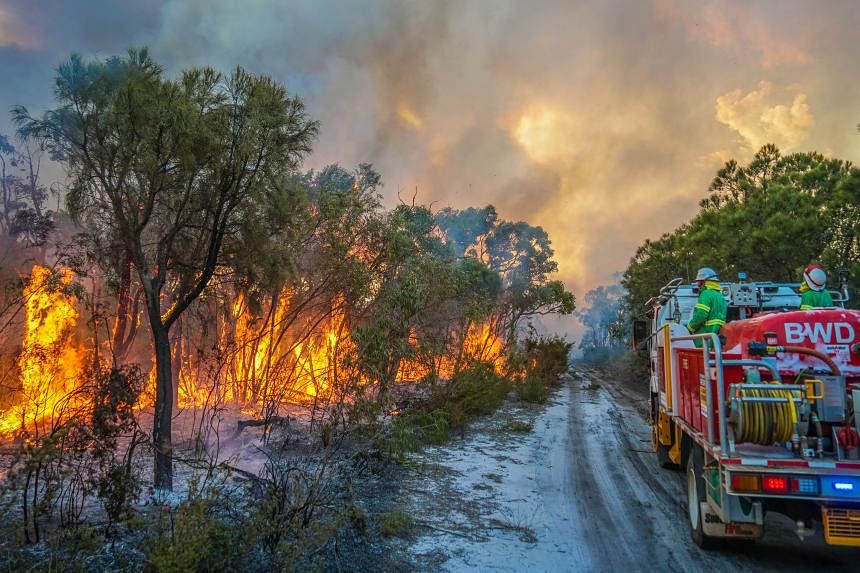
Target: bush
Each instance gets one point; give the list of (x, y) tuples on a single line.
[(396, 523), (472, 392), (548, 355), (535, 388), (193, 537)]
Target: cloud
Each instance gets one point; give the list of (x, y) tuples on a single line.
[(737, 28), (14, 33), (759, 119)]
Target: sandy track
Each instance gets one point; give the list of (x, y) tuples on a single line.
[(580, 492)]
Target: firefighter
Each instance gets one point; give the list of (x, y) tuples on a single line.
[(709, 314), (813, 291)]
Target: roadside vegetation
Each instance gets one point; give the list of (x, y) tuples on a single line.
[(212, 358), (769, 219)]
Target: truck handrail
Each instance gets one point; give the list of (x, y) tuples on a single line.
[(711, 338), (756, 363)]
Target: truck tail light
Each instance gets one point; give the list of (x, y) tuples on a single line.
[(804, 485), (774, 484), (746, 483)]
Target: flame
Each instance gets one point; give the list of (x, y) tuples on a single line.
[(481, 342), (259, 361), (49, 362)]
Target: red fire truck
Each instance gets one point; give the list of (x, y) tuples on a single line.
[(761, 416)]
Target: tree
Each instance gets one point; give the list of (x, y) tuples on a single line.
[(769, 218), (522, 255), (162, 173), (601, 317), (24, 217)]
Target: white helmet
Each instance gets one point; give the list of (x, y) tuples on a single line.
[(706, 274), (815, 277)]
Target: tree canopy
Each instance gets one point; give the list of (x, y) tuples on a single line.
[(769, 218)]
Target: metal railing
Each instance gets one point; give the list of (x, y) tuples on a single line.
[(711, 343), (710, 338)]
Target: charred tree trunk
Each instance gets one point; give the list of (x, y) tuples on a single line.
[(127, 321), (163, 417)]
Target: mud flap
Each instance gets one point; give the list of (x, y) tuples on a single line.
[(713, 526)]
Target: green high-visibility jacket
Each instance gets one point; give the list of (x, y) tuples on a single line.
[(709, 314), (814, 298)]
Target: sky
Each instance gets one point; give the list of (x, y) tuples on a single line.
[(603, 121)]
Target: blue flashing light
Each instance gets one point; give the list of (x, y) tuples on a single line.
[(841, 486)]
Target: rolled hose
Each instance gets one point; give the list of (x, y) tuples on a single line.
[(766, 423)]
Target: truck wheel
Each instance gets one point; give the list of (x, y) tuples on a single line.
[(696, 495)]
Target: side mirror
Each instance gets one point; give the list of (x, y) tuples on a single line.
[(640, 333)]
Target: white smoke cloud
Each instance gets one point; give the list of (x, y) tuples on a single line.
[(759, 119)]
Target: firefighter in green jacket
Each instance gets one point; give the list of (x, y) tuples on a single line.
[(813, 291), (709, 314)]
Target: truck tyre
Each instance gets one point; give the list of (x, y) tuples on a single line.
[(696, 495)]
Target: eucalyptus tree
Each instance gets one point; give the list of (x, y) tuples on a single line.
[(163, 173)]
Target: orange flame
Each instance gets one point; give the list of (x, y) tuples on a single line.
[(49, 362), (260, 361)]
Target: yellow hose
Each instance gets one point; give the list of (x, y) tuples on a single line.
[(767, 423)]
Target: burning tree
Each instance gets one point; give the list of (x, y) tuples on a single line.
[(163, 173)]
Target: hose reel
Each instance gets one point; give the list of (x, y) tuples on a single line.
[(764, 416)]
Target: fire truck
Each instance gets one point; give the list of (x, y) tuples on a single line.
[(762, 417)]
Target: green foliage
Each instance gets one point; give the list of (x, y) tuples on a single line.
[(193, 537), (474, 391), (396, 523), (549, 355), (769, 219), (541, 364), (522, 255), (409, 431), (534, 388), (174, 177)]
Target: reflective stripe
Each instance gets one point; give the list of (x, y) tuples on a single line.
[(715, 322), (805, 307), (704, 307)]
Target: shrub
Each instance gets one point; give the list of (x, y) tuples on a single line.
[(535, 388), (193, 537), (474, 391), (548, 355), (396, 523)]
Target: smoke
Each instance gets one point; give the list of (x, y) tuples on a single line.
[(602, 122), (758, 122)]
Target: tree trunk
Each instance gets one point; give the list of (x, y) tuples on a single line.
[(161, 430)]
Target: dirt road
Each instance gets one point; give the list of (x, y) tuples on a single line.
[(580, 492)]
